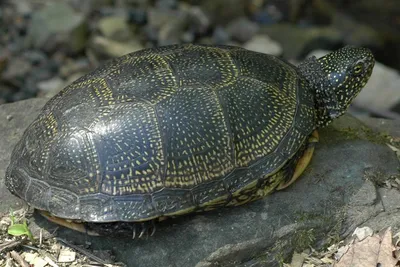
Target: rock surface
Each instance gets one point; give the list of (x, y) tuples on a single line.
[(111, 48), (338, 192), (115, 28), (298, 41), (58, 24), (263, 44), (242, 29)]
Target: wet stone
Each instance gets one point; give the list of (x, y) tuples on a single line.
[(264, 44), (16, 69), (166, 4), (58, 25), (50, 87), (242, 29), (137, 16), (116, 28), (220, 35), (110, 49)]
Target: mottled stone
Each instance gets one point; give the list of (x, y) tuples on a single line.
[(110, 48), (263, 44), (298, 41), (58, 25), (115, 28)]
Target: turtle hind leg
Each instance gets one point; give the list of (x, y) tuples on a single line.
[(301, 163), (281, 179), (137, 230), (74, 225)]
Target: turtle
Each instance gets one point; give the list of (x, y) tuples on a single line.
[(179, 129)]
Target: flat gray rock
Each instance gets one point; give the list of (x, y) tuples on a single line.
[(338, 192)]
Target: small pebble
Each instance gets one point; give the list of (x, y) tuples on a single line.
[(30, 257), (220, 35), (264, 44), (242, 29), (166, 4), (50, 85), (137, 16), (39, 262), (66, 256)]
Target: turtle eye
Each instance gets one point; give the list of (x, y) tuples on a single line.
[(358, 68)]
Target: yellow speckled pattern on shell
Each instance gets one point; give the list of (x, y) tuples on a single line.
[(163, 132)]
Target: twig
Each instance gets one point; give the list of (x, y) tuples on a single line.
[(50, 261), (9, 260), (30, 247), (40, 237), (11, 244), (18, 259), (41, 252), (83, 251)]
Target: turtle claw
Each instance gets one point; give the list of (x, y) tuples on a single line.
[(134, 233), (146, 229), (153, 228)]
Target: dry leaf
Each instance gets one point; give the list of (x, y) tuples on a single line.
[(341, 251), (39, 262), (362, 233), (385, 256), (327, 260), (50, 262), (30, 257), (395, 149), (297, 260), (370, 252)]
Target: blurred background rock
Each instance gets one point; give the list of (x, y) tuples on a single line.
[(45, 45)]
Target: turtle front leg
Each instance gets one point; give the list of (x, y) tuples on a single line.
[(304, 161)]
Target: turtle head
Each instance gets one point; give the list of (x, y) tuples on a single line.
[(337, 78)]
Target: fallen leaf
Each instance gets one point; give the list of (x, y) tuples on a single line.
[(371, 252), (397, 253), (39, 262), (362, 233), (385, 256), (341, 251), (30, 257), (50, 262), (327, 260), (396, 150), (297, 260)]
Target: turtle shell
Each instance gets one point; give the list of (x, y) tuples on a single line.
[(163, 132)]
